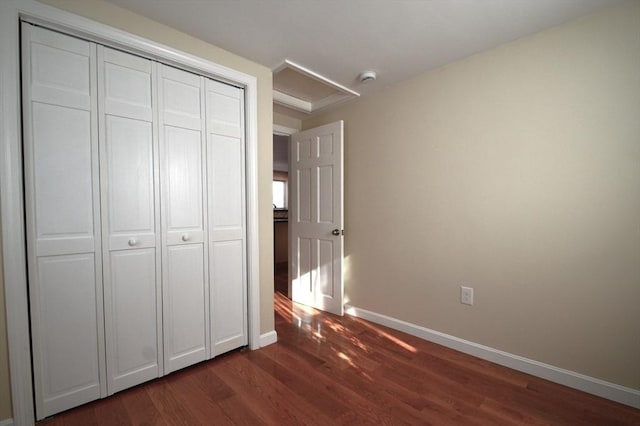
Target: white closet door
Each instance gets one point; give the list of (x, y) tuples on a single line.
[(130, 212), (63, 222), (184, 270), (227, 230)]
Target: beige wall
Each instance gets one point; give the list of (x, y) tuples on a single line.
[(120, 18), (287, 121), (516, 172)]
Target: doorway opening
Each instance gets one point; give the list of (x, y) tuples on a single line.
[(281, 214)]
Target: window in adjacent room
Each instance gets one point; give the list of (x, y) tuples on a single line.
[(279, 194)]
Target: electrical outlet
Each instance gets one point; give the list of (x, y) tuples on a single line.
[(466, 295)]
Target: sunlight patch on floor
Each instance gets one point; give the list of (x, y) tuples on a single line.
[(404, 345)]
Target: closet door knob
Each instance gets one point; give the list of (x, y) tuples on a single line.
[(185, 237), (132, 242)]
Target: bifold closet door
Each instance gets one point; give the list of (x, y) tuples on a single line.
[(63, 220), (135, 211), (184, 250), (227, 229), (130, 222)]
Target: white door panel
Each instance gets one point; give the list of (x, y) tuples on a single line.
[(325, 198), (181, 98), (68, 355), (302, 201), (129, 150), (325, 267), (226, 155), (62, 159), (183, 177), (59, 69), (65, 245), (132, 343), (131, 213), (316, 218), (225, 110), (228, 295), (127, 85), (184, 282), (63, 219), (184, 313), (227, 219)]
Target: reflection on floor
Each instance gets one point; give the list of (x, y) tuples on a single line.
[(354, 371), (330, 370)]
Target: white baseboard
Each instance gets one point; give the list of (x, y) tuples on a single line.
[(569, 378), (6, 422), (266, 339)]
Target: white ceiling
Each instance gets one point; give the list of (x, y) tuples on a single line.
[(340, 38)]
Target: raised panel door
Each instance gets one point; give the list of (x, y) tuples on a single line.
[(184, 248), (316, 217), (227, 219), (63, 219), (133, 343), (130, 225)]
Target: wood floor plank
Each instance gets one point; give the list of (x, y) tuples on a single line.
[(269, 399), (370, 406), (84, 414), (329, 370), (208, 384), (139, 407), (111, 412), (167, 403), (310, 390), (236, 409), (203, 406), (509, 414)]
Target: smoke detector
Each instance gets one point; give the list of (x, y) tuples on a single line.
[(367, 76)]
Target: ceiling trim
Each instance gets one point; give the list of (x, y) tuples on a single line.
[(281, 130), (292, 102), (308, 107)]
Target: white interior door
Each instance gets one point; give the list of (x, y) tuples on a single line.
[(316, 217), (227, 216), (184, 270), (130, 219), (63, 219)]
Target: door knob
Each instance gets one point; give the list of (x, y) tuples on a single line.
[(132, 242), (185, 237), (336, 232)]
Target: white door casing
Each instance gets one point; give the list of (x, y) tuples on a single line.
[(184, 249), (130, 218), (316, 217), (63, 219)]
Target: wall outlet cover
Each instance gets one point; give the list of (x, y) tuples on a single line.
[(466, 295)]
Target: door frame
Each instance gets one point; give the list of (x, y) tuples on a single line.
[(281, 130), (11, 173)]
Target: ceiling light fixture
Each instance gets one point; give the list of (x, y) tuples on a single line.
[(367, 76)]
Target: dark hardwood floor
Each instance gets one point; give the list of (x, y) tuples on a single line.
[(328, 370)]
